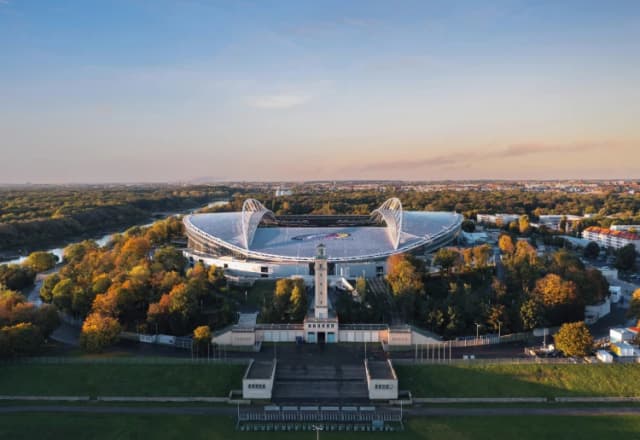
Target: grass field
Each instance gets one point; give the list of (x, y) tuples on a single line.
[(523, 380), (120, 379), (34, 426)]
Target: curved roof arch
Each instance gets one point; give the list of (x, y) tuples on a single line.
[(252, 213), (392, 214)]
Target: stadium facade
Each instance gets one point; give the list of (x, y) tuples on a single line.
[(255, 243)]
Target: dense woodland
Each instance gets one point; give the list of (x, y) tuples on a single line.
[(622, 207), (33, 218), (533, 291), (139, 282)]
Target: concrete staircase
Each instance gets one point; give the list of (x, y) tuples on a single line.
[(312, 383)]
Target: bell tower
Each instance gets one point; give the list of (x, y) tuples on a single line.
[(321, 300)]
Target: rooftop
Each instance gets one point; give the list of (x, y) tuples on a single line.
[(621, 234), (380, 370), (260, 370)]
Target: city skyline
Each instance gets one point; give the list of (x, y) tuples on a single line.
[(179, 90)]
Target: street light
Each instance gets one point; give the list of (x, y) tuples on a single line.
[(317, 429), (499, 327), (477, 331)]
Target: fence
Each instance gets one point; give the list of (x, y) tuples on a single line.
[(150, 360), (523, 360)]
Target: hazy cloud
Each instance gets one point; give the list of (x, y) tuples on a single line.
[(463, 159), (278, 101)]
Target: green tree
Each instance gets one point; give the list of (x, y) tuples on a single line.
[(574, 339), (20, 339), (531, 314), (626, 257), (99, 332), (468, 225), (170, 258), (41, 261), (591, 250)]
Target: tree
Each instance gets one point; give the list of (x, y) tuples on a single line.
[(47, 319), (99, 332), (481, 255), (468, 226), (170, 259), (16, 277), (634, 306), (202, 338), (21, 339), (531, 314), (497, 317), (361, 286), (591, 250), (299, 302), (626, 257), (523, 224), (41, 261), (574, 339), (505, 243), (553, 290), (446, 258), (403, 276)]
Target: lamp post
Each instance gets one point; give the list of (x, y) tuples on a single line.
[(317, 429), (499, 327), (477, 331)]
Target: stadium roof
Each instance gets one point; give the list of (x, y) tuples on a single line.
[(404, 230)]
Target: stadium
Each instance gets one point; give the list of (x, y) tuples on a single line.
[(256, 243)]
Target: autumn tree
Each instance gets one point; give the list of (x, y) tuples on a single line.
[(634, 305), (298, 302), (99, 332), (574, 339), (560, 299), (481, 255), (446, 258), (403, 275), (523, 224), (202, 339), (505, 243)]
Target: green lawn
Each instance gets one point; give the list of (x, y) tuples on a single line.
[(34, 426), (524, 380), (256, 294), (120, 379)]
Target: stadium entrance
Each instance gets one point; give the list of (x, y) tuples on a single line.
[(322, 337)]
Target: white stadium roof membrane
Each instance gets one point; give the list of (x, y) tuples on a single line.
[(404, 231)]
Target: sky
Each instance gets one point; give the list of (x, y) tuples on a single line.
[(184, 90)]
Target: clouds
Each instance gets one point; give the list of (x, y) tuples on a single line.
[(481, 156), (278, 102)]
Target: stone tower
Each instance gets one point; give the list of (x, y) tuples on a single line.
[(321, 301)]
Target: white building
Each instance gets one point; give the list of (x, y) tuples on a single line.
[(609, 238), (496, 219), (631, 228), (552, 221), (257, 382)]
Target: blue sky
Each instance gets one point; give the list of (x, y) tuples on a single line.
[(166, 90)]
